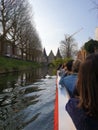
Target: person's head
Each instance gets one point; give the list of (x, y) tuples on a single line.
[(69, 65), (88, 84), (76, 65)]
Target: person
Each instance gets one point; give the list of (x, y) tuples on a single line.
[(67, 70), (61, 69), (83, 109), (70, 81)]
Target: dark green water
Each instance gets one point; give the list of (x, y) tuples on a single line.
[(27, 100)]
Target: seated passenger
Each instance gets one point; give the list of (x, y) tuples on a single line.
[(61, 69), (84, 108), (67, 69), (70, 81)]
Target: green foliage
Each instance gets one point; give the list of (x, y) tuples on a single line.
[(59, 61), (67, 59), (91, 45), (9, 64)]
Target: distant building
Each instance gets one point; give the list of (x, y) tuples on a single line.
[(48, 59), (96, 33), (44, 57), (14, 51), (51, 57), (58, 55)]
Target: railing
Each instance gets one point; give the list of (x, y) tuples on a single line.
[(64, 120)]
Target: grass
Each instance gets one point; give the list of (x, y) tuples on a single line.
[(9, 64)]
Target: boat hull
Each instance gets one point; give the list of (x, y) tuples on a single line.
[(62, 120)]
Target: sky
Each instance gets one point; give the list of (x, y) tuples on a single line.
[(55, 18)]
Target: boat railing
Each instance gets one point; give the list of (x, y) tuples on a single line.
[(64, 120)]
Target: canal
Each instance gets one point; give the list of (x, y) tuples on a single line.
[(27, 100)]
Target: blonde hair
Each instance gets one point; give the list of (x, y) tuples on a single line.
[(76, 65)]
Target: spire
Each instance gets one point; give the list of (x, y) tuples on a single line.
[(51, 53), (58, 55), (44, 52), (51, 57)]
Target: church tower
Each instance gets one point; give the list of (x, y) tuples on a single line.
[(44, 57), (58, 55), (51, 57)]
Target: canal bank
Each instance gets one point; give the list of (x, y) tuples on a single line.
[(12, 65)]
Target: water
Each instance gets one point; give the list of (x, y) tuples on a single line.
[(27, 101)]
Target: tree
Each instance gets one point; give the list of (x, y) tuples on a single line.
[(91, 46), (68, 47), (6, 14), (9, 12), (17, 28)]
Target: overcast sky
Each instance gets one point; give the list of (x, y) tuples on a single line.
[(55, 18)]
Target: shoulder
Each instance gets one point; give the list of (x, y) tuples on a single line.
[(79, 116), (72, 76), (67, 78), (72, 103), (73, 110)]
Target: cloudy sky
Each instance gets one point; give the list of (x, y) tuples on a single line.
[(55, 18)]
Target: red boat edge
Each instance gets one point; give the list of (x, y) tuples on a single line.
[(62, 120), (56, 111)]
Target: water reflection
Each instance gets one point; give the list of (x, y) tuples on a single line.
[(24, 98)]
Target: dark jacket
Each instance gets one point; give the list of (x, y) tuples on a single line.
[(81, 120)]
